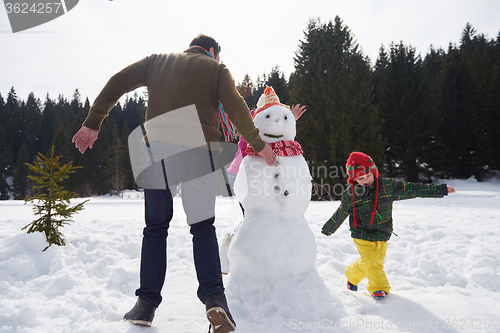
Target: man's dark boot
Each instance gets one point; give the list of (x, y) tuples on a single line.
[(142, 313), (218, 314)]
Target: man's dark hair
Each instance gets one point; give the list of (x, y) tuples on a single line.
[(206, 42)]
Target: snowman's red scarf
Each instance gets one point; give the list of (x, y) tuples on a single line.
[(280, 148)]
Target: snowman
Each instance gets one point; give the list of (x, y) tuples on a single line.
[(274, 238), (273, 251)]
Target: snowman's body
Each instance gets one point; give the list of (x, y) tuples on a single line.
[(272, 254), (274, 240)]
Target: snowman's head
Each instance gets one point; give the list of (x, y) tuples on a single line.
[(274, 120), (275, 123)]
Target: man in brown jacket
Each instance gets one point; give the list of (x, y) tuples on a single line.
[(176, 81)]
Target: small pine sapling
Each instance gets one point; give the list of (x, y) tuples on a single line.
[(53, 201)]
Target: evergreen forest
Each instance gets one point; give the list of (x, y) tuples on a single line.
[(420, 117)]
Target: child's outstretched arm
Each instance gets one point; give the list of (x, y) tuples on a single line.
[(402, 190), (337, 218)]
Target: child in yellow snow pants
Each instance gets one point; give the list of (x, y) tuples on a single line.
[(370, 265), (368, 204)]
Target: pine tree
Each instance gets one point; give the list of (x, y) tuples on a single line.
[(276, 79), (53, 201), (434, 152), (258, 90), (20, 181), (115, 153), (4, 165), (14, 122), (494, 105), (476, 52), (6, 162), (49, 121), (410, 120), (32, 114), (456, 100), (76, 105), (134, 111), (129, 181), (245, 88), (333, 79)]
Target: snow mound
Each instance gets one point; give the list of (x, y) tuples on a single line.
[(443, 269)]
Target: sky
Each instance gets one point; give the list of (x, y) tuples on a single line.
[(86, 46)]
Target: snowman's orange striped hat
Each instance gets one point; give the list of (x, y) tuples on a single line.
[(268, 98)]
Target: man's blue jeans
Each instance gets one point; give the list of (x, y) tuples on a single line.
[(158, 214)]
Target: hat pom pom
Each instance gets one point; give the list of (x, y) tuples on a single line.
[(260, 102)]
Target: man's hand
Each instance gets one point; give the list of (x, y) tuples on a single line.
[(451, 189), (85, 138), (268, 154)]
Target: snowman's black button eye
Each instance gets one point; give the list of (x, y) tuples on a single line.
[(286, 118), (267, 116)]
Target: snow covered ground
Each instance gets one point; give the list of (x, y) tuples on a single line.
[(443, 268)]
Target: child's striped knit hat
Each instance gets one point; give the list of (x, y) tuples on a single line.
[(359, 164)]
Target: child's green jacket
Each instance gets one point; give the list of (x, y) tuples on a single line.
[(390, 190)]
